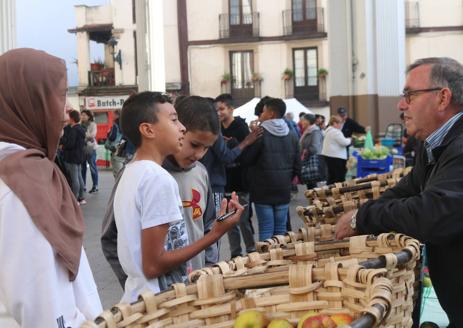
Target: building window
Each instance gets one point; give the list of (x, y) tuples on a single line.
[(240, 12), (304, 10), (306, 73), (241, 68)]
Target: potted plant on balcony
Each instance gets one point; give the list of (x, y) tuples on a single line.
[(322, 72), (256, 77), (225, 79), (97, 65), (287, 74)]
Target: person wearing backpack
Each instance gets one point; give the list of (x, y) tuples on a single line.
[(113, 140)]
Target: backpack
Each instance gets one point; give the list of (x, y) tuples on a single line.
[(113, 145)]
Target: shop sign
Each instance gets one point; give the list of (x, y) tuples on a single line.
[(104, 102)]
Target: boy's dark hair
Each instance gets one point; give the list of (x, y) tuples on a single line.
[(260, 106), (277, 106), (301, 114), (198, 114), (74, 115), (89, 114), (310, 117), (138, 109), (226, 98), (179, 98)]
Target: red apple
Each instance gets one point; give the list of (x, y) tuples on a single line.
[(318, 321), (342, 319)]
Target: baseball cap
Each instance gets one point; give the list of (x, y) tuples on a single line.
[(342, 111)]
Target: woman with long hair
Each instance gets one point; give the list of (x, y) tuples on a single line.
[(89, 124), (335, 150)]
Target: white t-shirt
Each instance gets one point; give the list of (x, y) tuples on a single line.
[(35, 290), (147, 196)]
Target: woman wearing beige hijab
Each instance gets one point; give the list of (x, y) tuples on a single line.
[(45, 278)]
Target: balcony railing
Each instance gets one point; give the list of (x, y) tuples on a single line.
[(294, 22), (412, 14), (235, 26), (101, 78)]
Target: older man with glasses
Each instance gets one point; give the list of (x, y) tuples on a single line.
[(427, 204)]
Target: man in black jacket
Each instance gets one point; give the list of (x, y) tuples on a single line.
[(273, 162), (349, 126), (235, 130), (72, 144), (427, 203)]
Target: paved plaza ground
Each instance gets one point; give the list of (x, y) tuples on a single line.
[(108, 286)]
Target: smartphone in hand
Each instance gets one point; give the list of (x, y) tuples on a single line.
[(227, 215)]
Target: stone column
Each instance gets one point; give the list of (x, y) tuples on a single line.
[(83, 46), (7, 25), (367, 58), (155, 46)]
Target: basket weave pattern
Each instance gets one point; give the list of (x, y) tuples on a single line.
[(328, 203), (328, 277), (214, 301)]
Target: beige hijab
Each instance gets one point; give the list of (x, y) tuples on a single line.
[(32, 98)]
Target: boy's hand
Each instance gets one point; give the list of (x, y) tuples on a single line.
[(252, 137), (220, 228)]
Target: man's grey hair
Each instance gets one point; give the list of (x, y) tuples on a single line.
[(446, 73)]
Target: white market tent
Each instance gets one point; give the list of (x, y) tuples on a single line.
[(246, 111)]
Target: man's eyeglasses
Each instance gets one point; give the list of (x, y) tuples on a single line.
[(407, 94)]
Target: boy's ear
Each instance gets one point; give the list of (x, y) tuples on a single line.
[(147, 130)]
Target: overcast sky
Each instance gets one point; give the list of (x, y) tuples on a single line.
[(43, 24)]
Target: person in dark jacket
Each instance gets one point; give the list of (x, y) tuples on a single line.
[(72, 145), (236, 130), (273, 161), (220, 155), (349, 126), (426, 204)]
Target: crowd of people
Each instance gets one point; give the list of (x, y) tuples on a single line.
[(181, 165)]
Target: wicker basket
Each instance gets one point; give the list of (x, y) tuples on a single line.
[(364, 188), (329, 203), (315, 215), (215, 301), (281, 251), (366, 277)]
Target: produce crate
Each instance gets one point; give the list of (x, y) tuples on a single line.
[(376, 292), (370, 166)]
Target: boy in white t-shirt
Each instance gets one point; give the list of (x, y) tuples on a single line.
[(152, 236)]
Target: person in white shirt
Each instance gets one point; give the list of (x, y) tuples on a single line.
[(152, 240), (45, 277), (334, 150)]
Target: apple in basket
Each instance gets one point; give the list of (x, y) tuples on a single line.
[(251, 319), (341, 319), (314, 320), (280, 323)]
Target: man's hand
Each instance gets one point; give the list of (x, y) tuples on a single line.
[(343, 228)]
